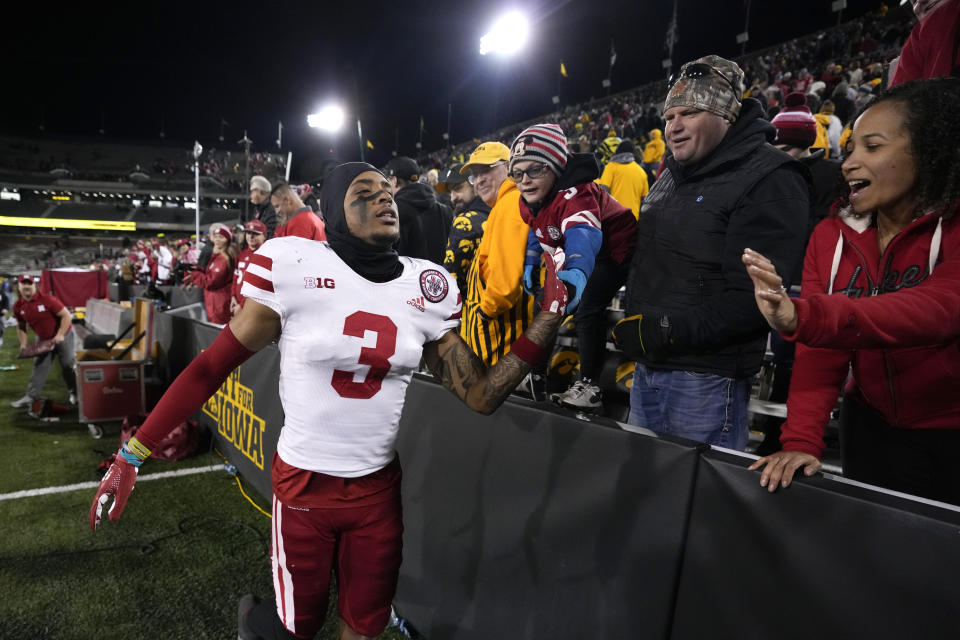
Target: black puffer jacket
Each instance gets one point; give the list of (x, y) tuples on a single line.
[(424, 223), (687, 278)]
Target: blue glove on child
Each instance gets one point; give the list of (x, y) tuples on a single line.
[(576, 279), (531, 278)]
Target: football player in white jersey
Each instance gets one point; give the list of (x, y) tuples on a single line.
[(353, 320)]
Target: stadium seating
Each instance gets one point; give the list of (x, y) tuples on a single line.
[(843, 44)]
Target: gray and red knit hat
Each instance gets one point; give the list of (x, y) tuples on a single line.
[(544, 143)]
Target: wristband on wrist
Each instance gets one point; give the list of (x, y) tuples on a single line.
[(134, 452), (528, 350)]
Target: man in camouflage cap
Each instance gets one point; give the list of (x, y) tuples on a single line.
[(710, 83), (692, 323), (705, 99)]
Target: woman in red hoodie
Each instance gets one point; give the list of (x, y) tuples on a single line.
[(217, 279), (881, 294)]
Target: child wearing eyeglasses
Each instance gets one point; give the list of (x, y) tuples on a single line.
[(568, 212)]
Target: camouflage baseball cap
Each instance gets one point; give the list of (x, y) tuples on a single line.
[(710, 83)]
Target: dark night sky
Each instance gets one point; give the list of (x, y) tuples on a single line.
[(189, 64)]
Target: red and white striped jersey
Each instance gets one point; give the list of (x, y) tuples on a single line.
[(348, 348), (242, 259)]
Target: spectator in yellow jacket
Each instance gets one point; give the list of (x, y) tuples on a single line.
[(653, 152), (624, 178), (496, 310)]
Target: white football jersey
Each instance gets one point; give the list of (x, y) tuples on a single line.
[(348, 349)]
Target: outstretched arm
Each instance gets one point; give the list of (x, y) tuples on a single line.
[(483, 389), (480, 388), (250, 331)]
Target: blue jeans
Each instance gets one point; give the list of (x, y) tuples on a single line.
[(698, 406)]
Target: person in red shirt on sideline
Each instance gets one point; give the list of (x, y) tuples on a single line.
[(296, 218), (50, 320), (256, 233), (217, 279)]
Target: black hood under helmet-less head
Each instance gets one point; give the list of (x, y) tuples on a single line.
[(378, 264)]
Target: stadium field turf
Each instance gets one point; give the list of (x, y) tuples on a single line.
[(174, 566)]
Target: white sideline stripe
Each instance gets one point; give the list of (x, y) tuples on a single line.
[(67, 488)]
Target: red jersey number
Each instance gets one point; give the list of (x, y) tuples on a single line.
[(376, 357)]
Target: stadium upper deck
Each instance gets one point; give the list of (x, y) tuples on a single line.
[(149, 185)]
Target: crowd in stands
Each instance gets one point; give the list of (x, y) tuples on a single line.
[(850, 57)]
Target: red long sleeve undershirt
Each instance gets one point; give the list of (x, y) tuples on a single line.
[(193, 386)]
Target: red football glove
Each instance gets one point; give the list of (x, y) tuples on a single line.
[(118, 481), (555, 292)]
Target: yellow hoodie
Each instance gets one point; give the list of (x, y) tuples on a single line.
[(655, 149), (494, 281)]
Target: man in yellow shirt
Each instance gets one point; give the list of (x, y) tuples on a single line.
[(496, 310)]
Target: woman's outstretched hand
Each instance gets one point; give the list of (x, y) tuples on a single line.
[(771, 295)]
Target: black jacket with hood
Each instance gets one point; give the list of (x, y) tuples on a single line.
[(424, 223), (687, 278)]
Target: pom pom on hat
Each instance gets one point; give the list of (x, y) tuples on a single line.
[(795, 125)]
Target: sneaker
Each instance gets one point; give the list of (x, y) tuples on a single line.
[(73, 399), (247, 603), (583, 395), (22, 402)]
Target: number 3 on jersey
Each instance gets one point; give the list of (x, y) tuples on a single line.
[(377, 357)]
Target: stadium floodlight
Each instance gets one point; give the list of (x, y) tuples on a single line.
[(507, 36), (330, 118)]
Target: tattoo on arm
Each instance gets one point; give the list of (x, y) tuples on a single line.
[(484, 389)]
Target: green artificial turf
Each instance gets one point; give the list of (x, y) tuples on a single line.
[(174, 566)]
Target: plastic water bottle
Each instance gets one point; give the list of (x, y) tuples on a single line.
[(230, 468)]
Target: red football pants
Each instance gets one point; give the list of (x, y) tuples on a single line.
[(362, 544)]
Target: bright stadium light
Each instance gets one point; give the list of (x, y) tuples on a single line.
[(507, 36), (330, 118)]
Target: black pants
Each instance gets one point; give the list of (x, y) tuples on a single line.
[(921, 462), (591, 314)]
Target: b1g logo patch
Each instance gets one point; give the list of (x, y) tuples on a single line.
[(554, 233), (434, 285), (319, 283)]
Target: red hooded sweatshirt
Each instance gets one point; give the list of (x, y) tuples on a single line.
[(893, 317)]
